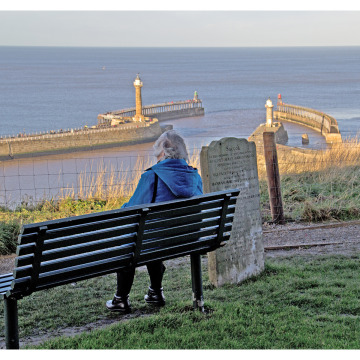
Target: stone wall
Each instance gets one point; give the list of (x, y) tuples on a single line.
[(78, 141), (281, 135)]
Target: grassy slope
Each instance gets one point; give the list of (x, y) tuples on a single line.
[(296, 303)]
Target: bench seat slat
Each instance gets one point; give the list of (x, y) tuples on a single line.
[(192, 202), (77, 249), (5, 283), (5, 289), (77, 260), (83, 228), (73, 274), (183, 238), (186, 219), (199, 245), (81, 219), (174, 230), (77, 239), (174, 211), (178, 230), (78, 272), (6, 277)]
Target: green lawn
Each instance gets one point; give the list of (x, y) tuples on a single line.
[(296, 303)]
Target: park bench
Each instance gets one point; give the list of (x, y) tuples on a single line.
[(68, 250)]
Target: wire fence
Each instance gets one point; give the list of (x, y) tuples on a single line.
[(314, 184), (310, 185), (28, 182)]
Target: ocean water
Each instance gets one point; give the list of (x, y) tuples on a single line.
[(45, 88), (49, 88)]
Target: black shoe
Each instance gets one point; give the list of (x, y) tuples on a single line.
[(120, 304), (155, 297)]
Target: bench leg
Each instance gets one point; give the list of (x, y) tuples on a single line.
[(11, 323), (196, 278)]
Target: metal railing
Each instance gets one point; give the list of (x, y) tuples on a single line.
[(159, 108), (309, 117)]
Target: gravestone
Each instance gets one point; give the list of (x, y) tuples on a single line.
[(227, 164)]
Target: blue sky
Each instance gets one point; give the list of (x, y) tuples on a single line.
[(177, 25)]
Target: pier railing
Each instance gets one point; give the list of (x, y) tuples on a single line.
[(317, 120), (310, 117), (150, 110)]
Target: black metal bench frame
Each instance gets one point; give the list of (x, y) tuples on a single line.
[(63, 251)]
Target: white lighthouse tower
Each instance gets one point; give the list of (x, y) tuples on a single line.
[(269, 113)]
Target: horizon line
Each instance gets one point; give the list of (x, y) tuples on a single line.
[(179, 47)]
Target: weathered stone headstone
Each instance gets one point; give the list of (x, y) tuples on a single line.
[(227, 164)]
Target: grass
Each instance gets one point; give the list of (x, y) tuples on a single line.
[(316, 185), (295, 303), (317, 196)]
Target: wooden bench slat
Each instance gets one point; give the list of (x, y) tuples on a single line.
[(5, 286), (183, 238), (6, 277), (78, 239), (179, 229), (81, 219), (197, 245), (70, 230), (77, 249), (4, 292), (77, 260), (164, 223), (206, 198), (77, 273), (175, 211)]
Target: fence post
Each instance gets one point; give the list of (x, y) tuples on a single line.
[(273, 178)]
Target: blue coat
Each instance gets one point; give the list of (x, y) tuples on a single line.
[(176, 179)]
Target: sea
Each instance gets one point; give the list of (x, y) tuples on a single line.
[(52, 88)]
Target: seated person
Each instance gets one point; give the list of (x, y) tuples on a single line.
[(171, 178)]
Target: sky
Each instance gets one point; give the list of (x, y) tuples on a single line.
[(263, 24)]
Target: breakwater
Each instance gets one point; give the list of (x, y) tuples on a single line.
[(116, 128), (323, 123), (78, 140)]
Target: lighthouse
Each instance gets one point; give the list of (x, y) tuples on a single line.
[(138, 103), (269, 112)]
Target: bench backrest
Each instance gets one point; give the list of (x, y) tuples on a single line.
[(62, 251)]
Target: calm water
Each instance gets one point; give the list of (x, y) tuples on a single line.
[(57, 88)]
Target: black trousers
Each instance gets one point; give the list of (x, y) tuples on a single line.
[(125, 278)]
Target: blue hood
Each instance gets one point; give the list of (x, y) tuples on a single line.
[(180, 178)]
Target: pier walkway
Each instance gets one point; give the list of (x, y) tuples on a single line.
[(164, 111), (316, 120)]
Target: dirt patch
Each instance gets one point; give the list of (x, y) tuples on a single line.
[(7, 263), (337, 238)]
